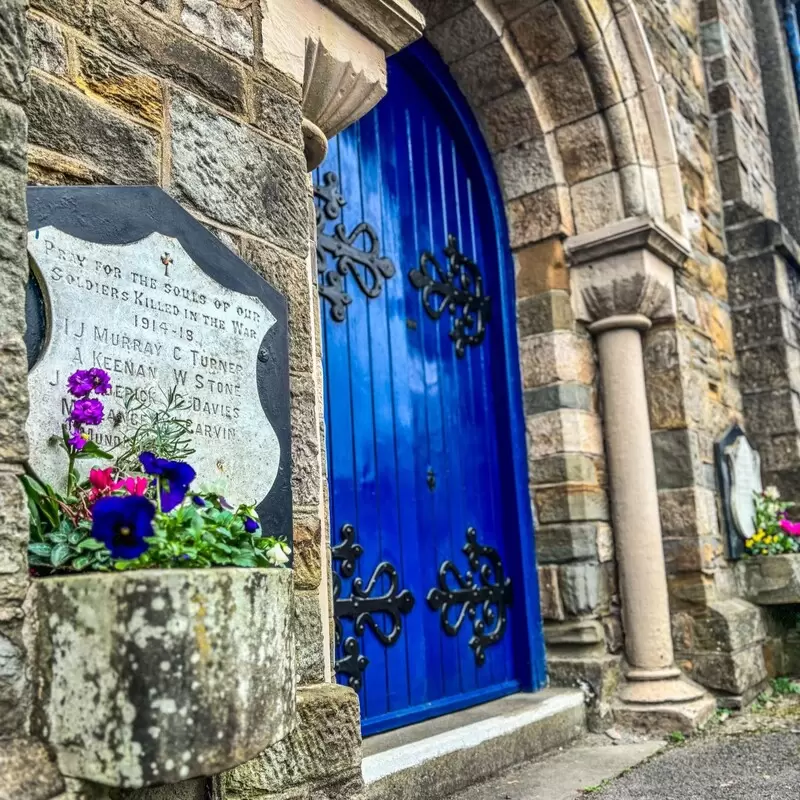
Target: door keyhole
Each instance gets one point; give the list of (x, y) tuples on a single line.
[(431, 479)]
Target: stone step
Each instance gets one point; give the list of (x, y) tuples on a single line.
[(436, 758)]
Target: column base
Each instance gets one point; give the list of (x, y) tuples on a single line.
[(663, 706)]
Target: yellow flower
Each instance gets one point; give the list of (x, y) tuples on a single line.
[(748, 544), (768, 540), (758, 536)]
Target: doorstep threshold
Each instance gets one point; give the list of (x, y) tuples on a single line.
[(431, 759)]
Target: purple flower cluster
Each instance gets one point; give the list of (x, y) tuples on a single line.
[(173, 478), (85, 410)]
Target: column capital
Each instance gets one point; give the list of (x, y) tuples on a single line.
[(625, 270), (336, 49)]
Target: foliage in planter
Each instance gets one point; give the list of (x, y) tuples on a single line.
[(141, 512), (775, 534)]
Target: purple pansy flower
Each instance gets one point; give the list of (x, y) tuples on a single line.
[(86, 412), (122, 524), (174, 478), (83, 382), (250, 525)]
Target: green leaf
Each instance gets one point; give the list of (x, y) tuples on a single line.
[(57, 537), (61, 552), (90, 543), (41, 549), (243, 560), (81, 562), (91, 450)]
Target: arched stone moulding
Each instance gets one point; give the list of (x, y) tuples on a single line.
[(337, 50), (573, 77)]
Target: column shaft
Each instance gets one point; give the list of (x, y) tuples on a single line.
[(634, 500)]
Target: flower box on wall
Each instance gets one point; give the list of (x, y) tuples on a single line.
[(770, 580), (156, 676)]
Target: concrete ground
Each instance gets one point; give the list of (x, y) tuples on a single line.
[(753, 755)]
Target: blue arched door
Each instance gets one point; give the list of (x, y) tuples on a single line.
[(435, 595)]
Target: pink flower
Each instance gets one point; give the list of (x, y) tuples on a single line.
[(103, 483), (792, 528), (135, 486)]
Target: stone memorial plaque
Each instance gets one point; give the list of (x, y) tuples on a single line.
[(123, 279), (739, 466)]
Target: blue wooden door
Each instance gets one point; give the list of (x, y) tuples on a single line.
[(430, 580)]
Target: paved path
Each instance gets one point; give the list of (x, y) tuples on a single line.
[(744, 767), (748, 767)]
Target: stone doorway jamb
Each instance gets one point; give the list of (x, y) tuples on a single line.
[(622, 280)]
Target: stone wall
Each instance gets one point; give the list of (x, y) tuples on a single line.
[(180, 93), (693, 373), (25, 766)]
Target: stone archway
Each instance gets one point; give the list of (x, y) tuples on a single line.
[(567, 95)]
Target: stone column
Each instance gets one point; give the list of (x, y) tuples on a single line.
[(622, 282)]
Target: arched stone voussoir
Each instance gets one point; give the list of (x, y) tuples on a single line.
[(567, 95)]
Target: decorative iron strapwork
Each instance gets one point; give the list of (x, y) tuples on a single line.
[(360, 606), (458, 288), (366, 266), (485, 603)]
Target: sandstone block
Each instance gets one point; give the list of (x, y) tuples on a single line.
[(47, 45), (561, 431), (74, 12), (325, 745), (549, 593), (725, 625), (771, 413), (63, 120), (278, 115), (584, 588), (566, 91), (486, 74), (543, 35), (581, 632), (543, 313), (541, 268), (306, 472), (307, 543), (558, 356), (134, 92), (509, 120), (146, 41), (558, 544), (13, 685), (13, 402), (597, 202), (290, 275), (570, 502), (14, 55), (464, 33), (228, 27), (29, 771), (525, 167), (309, 644), (536, 216), (237, 177), (727, 672), (564, 468), (585, 149), (13, 525), (677, 457)]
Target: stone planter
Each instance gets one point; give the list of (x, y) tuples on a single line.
[(156, 676), (770, 580)]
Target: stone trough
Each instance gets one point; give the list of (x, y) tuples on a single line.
[(156, 676), (770, 580)]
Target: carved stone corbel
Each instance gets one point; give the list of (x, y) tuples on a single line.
[(337, 50), (626, 269)]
